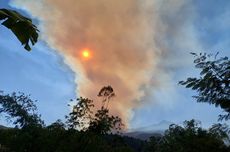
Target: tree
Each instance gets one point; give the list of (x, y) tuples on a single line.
[(213, 84), (106, 93), (58, 125), (190, 138), (83, 118), (103, 123), (81, 114), (21, 109), (21, 26)]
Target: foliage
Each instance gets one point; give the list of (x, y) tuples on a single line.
[(55, 137), (33, 136), (56, 140), (189, 138), (20, 107), (81, 114), (58, 125), (106, 93), (102, 123), (94, 136), (83, 118), (21, 26), (213, 84)]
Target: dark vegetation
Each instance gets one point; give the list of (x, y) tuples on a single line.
[(84, 129), (88, 129), (21, 26)]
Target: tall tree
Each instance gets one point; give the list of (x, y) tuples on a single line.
[(83, 118), (213, 84), (106, 93)]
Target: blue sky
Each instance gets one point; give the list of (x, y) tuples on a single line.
[(40, 73), (43, 74)]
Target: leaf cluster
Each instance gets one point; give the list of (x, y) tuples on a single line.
[(213, 84), (21, 26), (81, 114)]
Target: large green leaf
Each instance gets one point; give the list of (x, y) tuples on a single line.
[(21, 26)]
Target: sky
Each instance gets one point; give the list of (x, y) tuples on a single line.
[(140, 47)]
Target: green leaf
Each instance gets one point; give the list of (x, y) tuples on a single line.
[(22, 27), (190, 85)]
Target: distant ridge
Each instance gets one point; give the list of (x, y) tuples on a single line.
[(3, 127), (159, 127), (144, 133)]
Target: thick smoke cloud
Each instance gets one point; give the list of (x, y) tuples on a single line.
[(127, 39)]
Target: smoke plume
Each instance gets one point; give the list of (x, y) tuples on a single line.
[(122, 36)]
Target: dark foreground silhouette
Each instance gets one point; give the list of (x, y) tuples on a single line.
[(88, 131), (55, 138)]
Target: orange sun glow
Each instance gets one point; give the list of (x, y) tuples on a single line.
[(86, 53)]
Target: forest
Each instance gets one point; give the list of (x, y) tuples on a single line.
[(86, 129)]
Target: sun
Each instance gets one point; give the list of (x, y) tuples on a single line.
[(85, 53)]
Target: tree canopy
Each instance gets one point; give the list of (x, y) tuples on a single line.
[(190, 138), (89, 130), (20, 108), (84, 118)]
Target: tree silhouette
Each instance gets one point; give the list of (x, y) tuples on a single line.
[(21, 109), (21, 26), (103, 123), (58, 125), (81, 114), (190, 138), (106, 93), (83, 118), (213, 84)]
